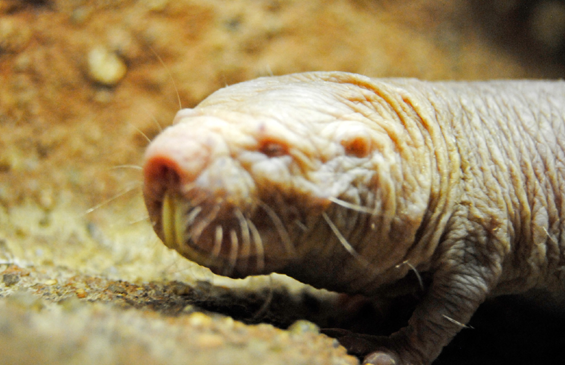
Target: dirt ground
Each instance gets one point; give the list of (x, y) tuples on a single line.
[(85, 84)]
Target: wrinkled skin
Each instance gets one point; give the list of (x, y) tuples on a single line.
[(350, 183)]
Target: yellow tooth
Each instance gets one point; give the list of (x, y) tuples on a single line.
[(167, 218), (179, 225), (174, 223)]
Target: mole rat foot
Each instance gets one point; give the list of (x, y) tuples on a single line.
[(377, 350)]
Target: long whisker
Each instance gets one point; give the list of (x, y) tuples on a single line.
[(233, 250), (301, 225), (182, 224), (355, 207), (245, 237), (267, 302), (462, 325), (259, 249), (192, 215), (420, 281), (201, 225), (153, 118), (139, 220), (169, 73), (135, 167), (218, 241), (344, 242), (135, 186), (141, 132), (280, 228)]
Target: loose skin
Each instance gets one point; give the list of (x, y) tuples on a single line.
[(353, 184)]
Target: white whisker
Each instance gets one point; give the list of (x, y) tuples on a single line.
[(135, 167), (420, 281), (169, 73), (301, 225), (189, 219), (233, 250), (202, 224), (218, 241), (268, 301), (462, 325), (245, 237), (119, 195), (141, 132), (139, 220), (260, 250), (355, 207), (153, 118), (280, 228), (244, 232), (344, 242), (192, 215)]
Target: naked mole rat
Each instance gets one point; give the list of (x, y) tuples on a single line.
[(348, 183)]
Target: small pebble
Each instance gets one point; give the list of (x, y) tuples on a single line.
[(303, 326), (51, 282), (199, 319), (116, 289), (228, 322), (81, 293), (189, 309), (10, 279), (105, 67)]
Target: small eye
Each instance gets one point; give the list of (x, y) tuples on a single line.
[(273, 149), (358, 146)]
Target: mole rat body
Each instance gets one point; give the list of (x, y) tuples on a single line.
[(349, 183)]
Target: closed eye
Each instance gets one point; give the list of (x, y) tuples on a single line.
[(273, 149), (359, 146)]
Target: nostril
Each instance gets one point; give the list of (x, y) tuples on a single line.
[(161, 173)]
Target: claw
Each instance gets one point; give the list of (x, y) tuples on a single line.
[(381, 358)]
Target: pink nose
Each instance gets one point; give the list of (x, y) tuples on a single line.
[(175, 156)]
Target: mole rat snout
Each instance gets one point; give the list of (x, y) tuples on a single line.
[(199, 198), (226, 194), (192, 163)]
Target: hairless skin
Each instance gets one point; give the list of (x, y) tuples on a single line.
[(349, 183)]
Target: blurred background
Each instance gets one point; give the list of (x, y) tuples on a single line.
[(85, 84)]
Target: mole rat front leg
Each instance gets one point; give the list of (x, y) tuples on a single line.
[(460, 283)]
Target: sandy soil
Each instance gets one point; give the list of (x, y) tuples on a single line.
[(85, 84)]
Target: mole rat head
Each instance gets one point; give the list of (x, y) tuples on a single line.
[(267, 175)]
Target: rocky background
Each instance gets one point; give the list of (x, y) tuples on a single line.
[(85, 84)]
